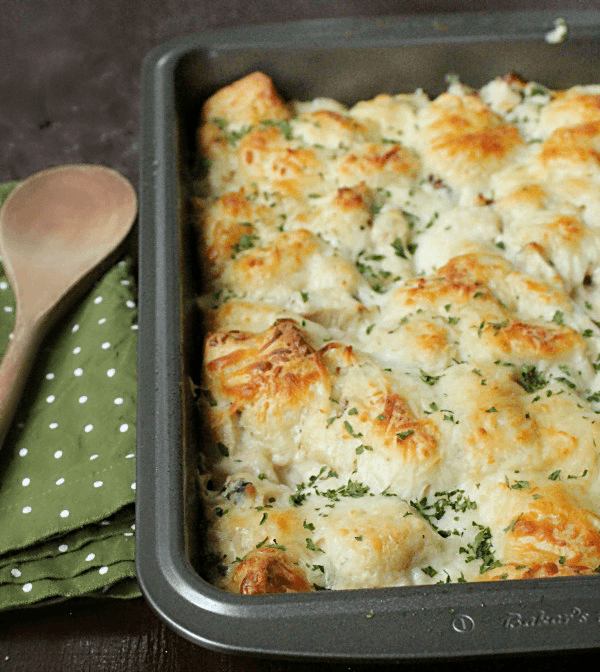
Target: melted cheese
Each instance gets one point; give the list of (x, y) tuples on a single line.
[(401, 378)]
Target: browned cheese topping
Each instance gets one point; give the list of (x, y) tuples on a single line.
[(401, 370)]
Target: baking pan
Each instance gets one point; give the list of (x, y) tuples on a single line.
[(347, 59)]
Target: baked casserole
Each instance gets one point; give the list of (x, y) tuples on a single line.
[(401, 365)]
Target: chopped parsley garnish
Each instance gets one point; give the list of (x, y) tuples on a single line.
[(298, 498), (355, 489), (310, 544), (497, 326), (350, 430), (428, 378), (279, 547), (512, 524), (246, 242), (455, 500), (481, 549), (518, 485), (531, 379), (302, 492), (555, 475), (283, 126), (405, 435), (565, 381), (218, 121), (558, 317), (352, 489), (430, 571), (373, 277), (223, 449), (233, 137), (411, 219), (398, 246), (538, 90)]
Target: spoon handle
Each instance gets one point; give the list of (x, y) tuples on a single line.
[(14, 370)]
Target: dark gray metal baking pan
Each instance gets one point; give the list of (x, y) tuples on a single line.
[(346, 59)]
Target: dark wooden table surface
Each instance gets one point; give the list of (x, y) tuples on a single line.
[(70, 93)]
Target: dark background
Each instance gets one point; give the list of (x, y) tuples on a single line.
[(70, 93)]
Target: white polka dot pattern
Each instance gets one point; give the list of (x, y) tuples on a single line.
[(71, 446)]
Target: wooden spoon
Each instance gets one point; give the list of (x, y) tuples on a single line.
[(55, 228)]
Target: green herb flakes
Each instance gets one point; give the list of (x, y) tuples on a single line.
[(427, 378), (530, 379), (398, 246), (223, 449), (310, 544), (512, 524)]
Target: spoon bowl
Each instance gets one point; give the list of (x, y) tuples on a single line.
[(56, 227)]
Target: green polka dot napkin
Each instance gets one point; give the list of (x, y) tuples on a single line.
[(67, 466)]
